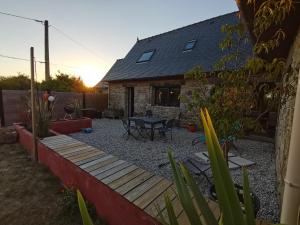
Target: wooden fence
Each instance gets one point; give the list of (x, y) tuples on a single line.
[(13, 104)]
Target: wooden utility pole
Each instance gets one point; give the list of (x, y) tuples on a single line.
[(1, 109), (33, 107), (47, 63)]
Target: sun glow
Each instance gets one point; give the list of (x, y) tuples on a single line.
[(89, 74)]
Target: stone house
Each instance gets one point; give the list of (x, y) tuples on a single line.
[(289, 49), (151, 76)]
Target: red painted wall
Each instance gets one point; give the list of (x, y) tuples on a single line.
[(71, 126), (110, 205), (24, 137)]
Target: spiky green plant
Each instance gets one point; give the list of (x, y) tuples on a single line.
[(77, 108), (86, 219), (44, 114), (229, 204)]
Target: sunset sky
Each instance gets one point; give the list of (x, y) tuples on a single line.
[(106, 28)]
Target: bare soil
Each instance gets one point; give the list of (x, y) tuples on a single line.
[(30, 194)]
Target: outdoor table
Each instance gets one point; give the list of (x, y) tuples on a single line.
[(152, 121)]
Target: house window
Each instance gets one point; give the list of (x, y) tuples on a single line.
[(189, 45), (167, 96), (146, 56)]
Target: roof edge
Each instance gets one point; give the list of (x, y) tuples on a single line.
[(178, 76)]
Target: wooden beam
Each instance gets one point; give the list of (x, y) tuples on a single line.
[(33, 107)]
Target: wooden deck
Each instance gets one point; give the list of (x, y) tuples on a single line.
[(142, 188)]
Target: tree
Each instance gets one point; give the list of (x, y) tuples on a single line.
[(19, 82), (62, 82), (238, 86), (65, 83)]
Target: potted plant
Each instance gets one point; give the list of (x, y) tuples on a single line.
[(191, 126)]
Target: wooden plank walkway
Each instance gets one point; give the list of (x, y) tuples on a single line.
[(140, 187)]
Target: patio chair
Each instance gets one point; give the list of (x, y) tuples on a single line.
[(197, 168), (141, 128), (167, 127), (149, 113), (128, 128), (194, 166)]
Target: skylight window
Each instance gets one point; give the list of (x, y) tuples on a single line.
[(146, 56), (189, 45)]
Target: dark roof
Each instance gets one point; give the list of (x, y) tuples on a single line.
[(169, 58)]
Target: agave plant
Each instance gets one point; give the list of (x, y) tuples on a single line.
[(44, 110), (187, 189), (86, 219), (77, 108)]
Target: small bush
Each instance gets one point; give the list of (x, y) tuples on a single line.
[(71, 206)]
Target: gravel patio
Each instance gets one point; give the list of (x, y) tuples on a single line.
[(107, 136)]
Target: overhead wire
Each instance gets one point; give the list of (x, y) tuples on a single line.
[(56, 29), (13, 57), (76, 42), (21, 17), (42, 62)]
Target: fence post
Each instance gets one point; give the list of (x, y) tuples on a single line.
[(33, 107), (1, 109), (83, 100)]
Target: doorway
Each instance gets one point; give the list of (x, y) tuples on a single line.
[(130, 101)]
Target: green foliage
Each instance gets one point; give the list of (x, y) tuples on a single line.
[(230, 206), (231, 96), (86, 219), (70, 201), (44, 114), (270, 13), (75, 206), (26, 116), (43, 111), (64, 83), (77, 108), (19, 82)]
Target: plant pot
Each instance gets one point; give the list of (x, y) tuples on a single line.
[(191, 128), (240, 192)]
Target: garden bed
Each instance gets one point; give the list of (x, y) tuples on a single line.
[(71, 125), (25, 138)]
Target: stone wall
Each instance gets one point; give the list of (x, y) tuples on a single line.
[(144, 94), (285, 119), (142, 100), (116, 96)]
